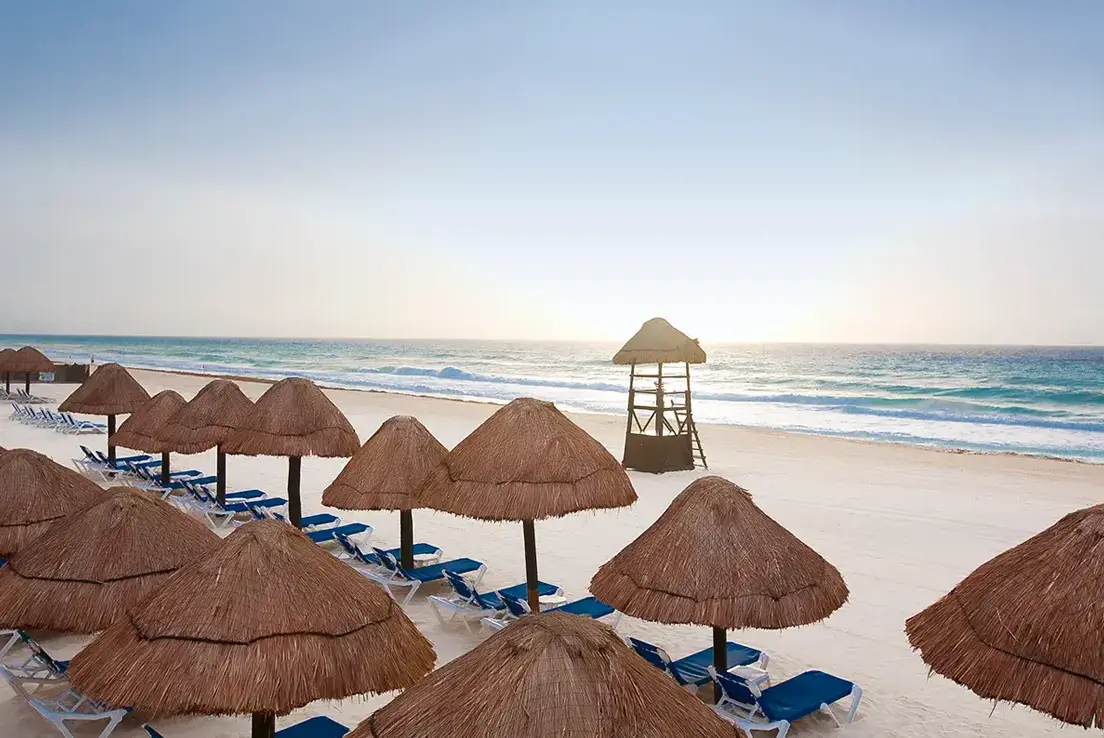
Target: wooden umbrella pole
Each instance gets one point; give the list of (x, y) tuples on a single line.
[(27, 386), (531, 564), (110, 445), (406, 538), (295, 505), (7, 381), (165, 470), (264, 725), (220, 472), (720, 658)]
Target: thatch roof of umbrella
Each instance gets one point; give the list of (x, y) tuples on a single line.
[(1025, 626), (388, 469), (265, 623), (293, 418), (216, 411), (36, 491), (546, 676), (5, 355), (715, 559), (109, 391), (659, 342), (527, 462), (141, 431), (26, 359), (89, 568)]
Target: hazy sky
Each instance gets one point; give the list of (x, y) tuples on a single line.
[(925, 171)]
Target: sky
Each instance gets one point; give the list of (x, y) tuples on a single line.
[(857, 171)]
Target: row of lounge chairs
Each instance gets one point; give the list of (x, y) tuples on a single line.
[(61, 422), (22, 395), (34, 668), (60, 703), (749, 700)]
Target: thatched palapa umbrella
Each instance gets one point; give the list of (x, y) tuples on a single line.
[(1025, 626), (386, 473), (264, 624), (294, 418), (27, 360), (546, 676), (109, 391), (141, 430), (89, 568), (527, 462), (206, 421), (35, 492), (6, 354), (713, 558)]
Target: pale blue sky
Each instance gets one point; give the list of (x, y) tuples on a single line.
[(848, 171)]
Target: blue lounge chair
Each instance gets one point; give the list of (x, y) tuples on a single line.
[(60, 703), (200, 489), (693, 671), (778, 707), (468, 603), (361, 559), (329, 535), (516, 607), (393, 574), (319, 726), (318, 520)]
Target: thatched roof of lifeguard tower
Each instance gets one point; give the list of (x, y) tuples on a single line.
[(546, 676), (266, 622), (388, 469), (208, 419), (528, 461), (26, 359), (1024, 626), (659, 342), (293, 418), (36, 491), (99, 562), (713, 558), (109, 391), (141, 431)]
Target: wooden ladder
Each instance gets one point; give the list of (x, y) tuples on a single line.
[(695, 443)]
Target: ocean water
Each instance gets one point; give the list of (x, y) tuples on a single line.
[(1046, 401)]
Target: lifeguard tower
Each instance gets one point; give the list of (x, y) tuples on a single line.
[(660, 435)]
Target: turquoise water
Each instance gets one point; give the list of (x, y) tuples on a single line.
[(1047, 401)]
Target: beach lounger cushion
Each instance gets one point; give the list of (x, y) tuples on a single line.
[(319, 726), (694, 669), (779, 706)]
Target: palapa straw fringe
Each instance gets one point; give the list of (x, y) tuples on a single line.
[(266, 622), (26, 359), (208, 419), (715, 559), (659, 342), (546, 676), (35, 491), (388, 469), (99, 561), (1023, 627), (294, 418), (140, 431), (109, 391), (528, 461)]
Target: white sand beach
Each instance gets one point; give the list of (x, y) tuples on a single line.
[(902, 524)]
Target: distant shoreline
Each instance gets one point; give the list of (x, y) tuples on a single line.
[(757, 429)]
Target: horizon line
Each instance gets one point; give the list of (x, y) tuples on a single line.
[(726, 342)]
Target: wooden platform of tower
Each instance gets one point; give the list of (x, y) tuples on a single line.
[(661, 435)]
